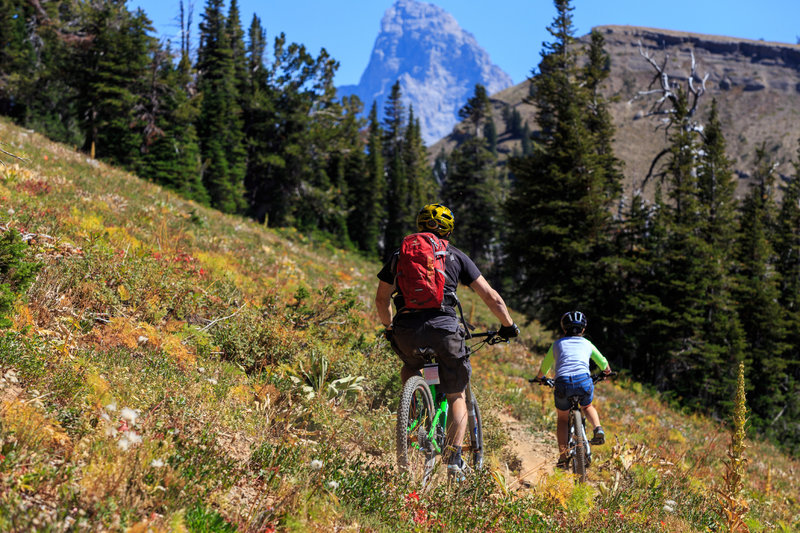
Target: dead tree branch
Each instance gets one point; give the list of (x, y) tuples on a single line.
[(671, 92)]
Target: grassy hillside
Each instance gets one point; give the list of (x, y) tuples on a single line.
[(175, 369)]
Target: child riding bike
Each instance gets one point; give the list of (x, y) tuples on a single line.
[(571, 354)]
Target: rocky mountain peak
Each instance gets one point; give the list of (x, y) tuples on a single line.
[(436, 61)]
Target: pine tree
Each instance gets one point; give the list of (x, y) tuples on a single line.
[(640, 345), (399, 212), (287, 179), (17, 56), (787, 247), (560, 206), (472, 189), (368, 192), (233, 26), (171, 155), (260, 123), (111, 76), (721, 331), (758, 295), (421, 187), (220, 124)]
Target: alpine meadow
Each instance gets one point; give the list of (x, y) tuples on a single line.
[(189, 240)]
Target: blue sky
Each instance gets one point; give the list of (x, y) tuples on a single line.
[(511, 31)]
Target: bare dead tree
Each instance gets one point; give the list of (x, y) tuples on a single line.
[(669, 89)]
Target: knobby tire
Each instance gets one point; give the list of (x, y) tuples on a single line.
[(475, 436), (579, 459), (416, 409)]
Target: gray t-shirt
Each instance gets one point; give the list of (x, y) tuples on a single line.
[(571, 356)]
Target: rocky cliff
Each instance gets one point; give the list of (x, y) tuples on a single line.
[(436, 61), (756, 84)]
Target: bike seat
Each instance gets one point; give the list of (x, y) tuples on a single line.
[(426, 353)]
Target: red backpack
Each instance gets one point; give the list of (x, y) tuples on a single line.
[(420, 270)]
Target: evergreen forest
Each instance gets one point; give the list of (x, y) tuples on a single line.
[(680, 288)]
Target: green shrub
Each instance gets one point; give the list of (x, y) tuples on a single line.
[(16, 273)]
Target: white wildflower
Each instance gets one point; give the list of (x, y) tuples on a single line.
[(201, 369), (111, 407), (133, 437), (333, 485), (123, 444), (157, 463), (129, 415), (128, 439), (212, 381), (316, 464), (669, 506)]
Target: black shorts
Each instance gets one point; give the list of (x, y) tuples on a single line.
[(443, 333)]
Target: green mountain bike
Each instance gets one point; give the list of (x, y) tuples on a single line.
[(422, 419)]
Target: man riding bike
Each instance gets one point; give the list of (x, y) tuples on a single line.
[(439, 327), (571, 354)]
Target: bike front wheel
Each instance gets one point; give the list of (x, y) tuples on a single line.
[(415, 452), (579, 458)]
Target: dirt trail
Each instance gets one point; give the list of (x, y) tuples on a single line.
[(537, 456)]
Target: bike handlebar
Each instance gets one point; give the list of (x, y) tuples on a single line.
[(551, 382), (492, 337)]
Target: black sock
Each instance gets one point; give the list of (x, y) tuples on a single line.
[(455, 456)]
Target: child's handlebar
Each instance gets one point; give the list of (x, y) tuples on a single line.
[(543, 381), (551, 382)]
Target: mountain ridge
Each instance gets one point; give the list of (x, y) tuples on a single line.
[(756, 83)]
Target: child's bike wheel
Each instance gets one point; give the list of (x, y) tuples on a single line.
[(579, 458)]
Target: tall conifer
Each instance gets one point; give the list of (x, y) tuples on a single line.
[(368, 193), (787, 246), (398, 211), (758, 294), (560, 207), (472, 188), (220, 123)]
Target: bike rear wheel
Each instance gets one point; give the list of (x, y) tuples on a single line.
[(474, 437), (579, 458), (415, 453)]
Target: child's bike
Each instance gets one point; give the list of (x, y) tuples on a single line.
[(579, 452), (422, 419)]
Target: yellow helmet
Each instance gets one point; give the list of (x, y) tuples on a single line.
[(436, 218)]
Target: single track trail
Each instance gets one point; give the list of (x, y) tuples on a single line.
[(537, 456)]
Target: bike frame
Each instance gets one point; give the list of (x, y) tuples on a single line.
[(440, 416), (439, 422)]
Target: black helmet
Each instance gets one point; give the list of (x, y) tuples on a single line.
[(573, 322)]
